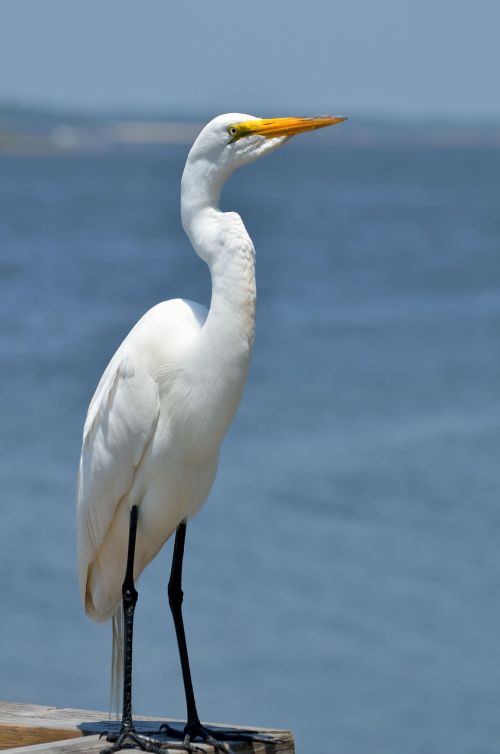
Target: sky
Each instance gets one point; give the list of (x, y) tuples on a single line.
[(431, 58)]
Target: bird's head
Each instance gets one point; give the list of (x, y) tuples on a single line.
[(235, 139)]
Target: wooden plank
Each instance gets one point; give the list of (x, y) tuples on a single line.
[(33, 728), (70, 746), (22, 735)]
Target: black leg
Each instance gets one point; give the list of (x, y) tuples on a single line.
[(175, 598), (129, 596), (194, 728), (128, 736)]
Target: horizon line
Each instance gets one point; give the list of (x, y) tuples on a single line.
[(136, 111)]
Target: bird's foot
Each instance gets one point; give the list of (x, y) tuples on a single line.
[(128, 738), (219, 739)]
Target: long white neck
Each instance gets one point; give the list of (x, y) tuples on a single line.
[(221, 240)]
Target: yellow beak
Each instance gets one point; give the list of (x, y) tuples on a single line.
[(272, 127)]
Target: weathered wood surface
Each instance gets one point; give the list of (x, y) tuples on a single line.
[(33, 728)]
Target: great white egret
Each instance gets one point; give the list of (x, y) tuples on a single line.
[(162, 407)]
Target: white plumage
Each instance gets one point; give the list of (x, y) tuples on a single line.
[(134, 453)]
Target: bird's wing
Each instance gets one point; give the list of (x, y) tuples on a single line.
[(120, 423)]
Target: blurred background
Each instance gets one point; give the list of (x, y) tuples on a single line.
[(343, 580)]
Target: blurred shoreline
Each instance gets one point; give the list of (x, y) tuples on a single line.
[(38, 130)]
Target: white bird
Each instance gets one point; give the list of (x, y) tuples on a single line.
[(162, 407)]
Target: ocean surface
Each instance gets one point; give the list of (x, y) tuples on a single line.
[(343, 579)]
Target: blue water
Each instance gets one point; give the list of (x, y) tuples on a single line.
[(343, 579)]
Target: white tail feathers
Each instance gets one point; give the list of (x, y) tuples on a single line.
[(117, 661)]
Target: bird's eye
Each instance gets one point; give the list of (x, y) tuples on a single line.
[(232, 131)]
